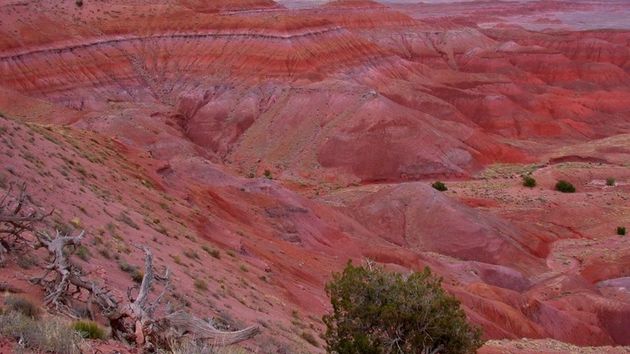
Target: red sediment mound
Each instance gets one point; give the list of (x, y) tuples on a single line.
[(414, 215)]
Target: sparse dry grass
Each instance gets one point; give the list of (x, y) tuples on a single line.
[(45, 335), (199, 347), (506, 170), (89, 329), (22, 305)]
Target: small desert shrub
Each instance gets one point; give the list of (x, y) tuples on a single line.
[(126, 267), (191, 254), (127, 220), (177, 259), (45, 335), (79, 3), (105, 253), (22, 305), (268, 174), (200, 284), (529, 181), (373, 308), (212, 252), (89, 329), (439, 186), (137, 276), (565, 187), (83, 253), (76, 223), (310, 338), (621, 230), (134, 271), (161, 229), (610, 181)]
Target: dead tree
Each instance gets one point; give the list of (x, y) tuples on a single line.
[(151, 330), (139, 311), (65, 273), (135, 319), (16, 216)]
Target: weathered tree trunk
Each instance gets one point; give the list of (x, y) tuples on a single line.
[(200, 329), (59, 264)]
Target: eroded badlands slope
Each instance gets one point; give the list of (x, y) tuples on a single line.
[(352, 106)]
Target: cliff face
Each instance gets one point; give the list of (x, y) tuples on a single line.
[(343, 102)]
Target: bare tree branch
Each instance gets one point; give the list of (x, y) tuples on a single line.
[(15, 219)]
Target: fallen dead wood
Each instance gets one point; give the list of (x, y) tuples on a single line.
[(200, 329), (135, 320)]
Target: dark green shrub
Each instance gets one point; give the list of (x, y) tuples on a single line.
[(375, 311), (22, 305), (610, 181), (268, 174), (565, 187), (439, 186), (529, 181), (89, 329), (621, 230)]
